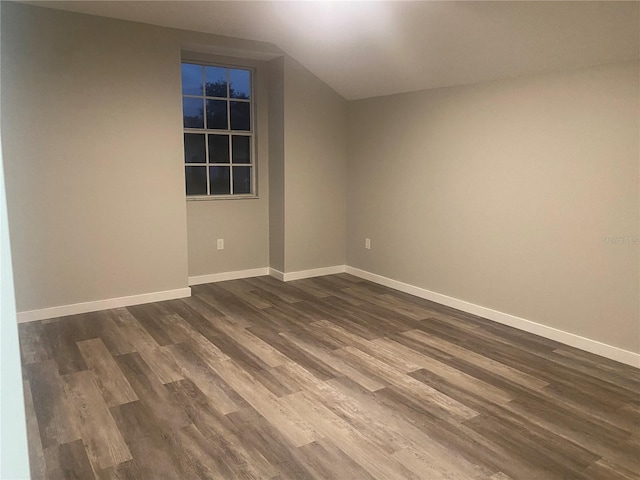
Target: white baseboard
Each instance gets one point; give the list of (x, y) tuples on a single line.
[(300, 274), (583, 343), (587, 344), (221, 277), (276, 274), (86, 307)]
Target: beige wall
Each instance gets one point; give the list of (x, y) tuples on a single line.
[(500, 194), (315, 171), (94, 167), (92, 147), (276, 164), (94, 161)]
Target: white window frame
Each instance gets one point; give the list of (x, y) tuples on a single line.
[(230, 133)]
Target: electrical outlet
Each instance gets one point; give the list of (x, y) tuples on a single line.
[(367, 243), (221, 244)]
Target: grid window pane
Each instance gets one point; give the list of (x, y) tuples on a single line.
[(218, 148), (191, 79), (241, 179), (192, 112), (194, 148), (240, 116), (220, 180), (217, 163), (217, 114), (216, 78), (241, 146), (196, 180), (240, 83)]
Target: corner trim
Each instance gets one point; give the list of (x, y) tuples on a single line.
[(221, 277), (86, 307), (571, 339), (276, 274), (300, 274)]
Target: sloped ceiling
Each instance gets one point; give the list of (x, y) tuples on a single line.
[(366, 49)]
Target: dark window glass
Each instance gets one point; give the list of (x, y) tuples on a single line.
[(219, 148), (216, 78), (241, 179), (196, 179), (194, 149), (241, 146), (191, 79), (217, 114), (192, 111), (211, 153), (240, 83), (240, 116), (220, 182)]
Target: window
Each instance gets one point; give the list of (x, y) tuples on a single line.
[(217, 111)]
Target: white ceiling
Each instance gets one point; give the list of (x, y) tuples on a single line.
[(365, 49)]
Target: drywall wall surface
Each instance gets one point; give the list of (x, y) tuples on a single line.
[(315, 120), (93, 157), (94, 160), (243, 224), (519, 195), (276, 164)]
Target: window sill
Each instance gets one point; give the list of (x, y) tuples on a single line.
[(200, 198)]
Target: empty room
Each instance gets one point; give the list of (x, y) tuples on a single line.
[(320, 240)]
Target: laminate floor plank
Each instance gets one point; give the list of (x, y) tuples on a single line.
[(51, 404), (353, 443), (159, 323), (101, 437), (200, 373), (382, 306), (275, 291), (151, 391), (296, 353), (125, 471), (515, 375), (114, 386), (62, 345), (323, 378), (266, 445), (408, 384), (106, 324), (199, 343), (135, 420), (309, 286), (267, 353), (426, 466), (369, 382), (198, 305), (292, 426), (399, 423), (246, 292), (372, 426), (68, 462), (531, 359), (153, 458), (227, 447), (34, 347), (37, 463), (324, 460), (157, 358)]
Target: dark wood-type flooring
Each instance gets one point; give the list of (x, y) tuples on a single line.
[(325, 378)]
